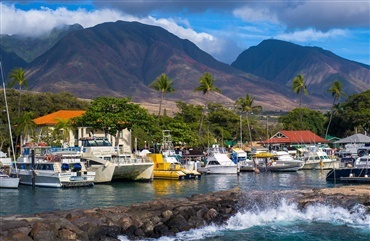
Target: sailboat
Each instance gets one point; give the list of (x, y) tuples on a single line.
[(5, 180)]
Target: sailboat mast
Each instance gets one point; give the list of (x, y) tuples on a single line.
[(7, 111), (241, 134)]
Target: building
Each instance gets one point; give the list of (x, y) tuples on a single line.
[(293, 138), (122, 140)]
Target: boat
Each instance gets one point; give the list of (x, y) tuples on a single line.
[(239, 156), (132, 167), (276, 162), (166, 170), (316, 159), (97, 155), (187, 166), (43, 167), (7, 181), (218, 162), (360, 172), (109, 164)]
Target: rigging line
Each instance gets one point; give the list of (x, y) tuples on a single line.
[(7, 111)]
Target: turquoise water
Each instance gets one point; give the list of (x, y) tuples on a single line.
[(272, 220)]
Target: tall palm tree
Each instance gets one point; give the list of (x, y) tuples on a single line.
[(65, 126), (299, 87), (17, 78), (336, 91), (206, 85), (246, 105), (25, 127), (164, 85)]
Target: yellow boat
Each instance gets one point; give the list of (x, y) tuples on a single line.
[(166, 170)]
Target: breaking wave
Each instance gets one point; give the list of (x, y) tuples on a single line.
[(286, 221)]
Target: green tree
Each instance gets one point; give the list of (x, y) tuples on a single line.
[(313, 120), (25, 127), (163, 85), (17, 78), (246, 105), (299, 87), (356, 111), (206, 86), (112, 115), (64, 127), (336, 91)]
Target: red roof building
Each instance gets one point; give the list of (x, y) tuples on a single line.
[(294, 137)]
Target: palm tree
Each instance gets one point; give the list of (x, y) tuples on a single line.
[(66, 126), (206, 85), (299, 87), (17, 78), (164, 85), (246, 104), (25, 127), (336, 91)]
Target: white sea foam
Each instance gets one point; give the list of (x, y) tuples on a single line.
[(283, 214)]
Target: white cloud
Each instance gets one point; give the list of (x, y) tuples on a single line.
[(250, 14), (311, 35)]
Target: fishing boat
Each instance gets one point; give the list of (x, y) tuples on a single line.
[(44, 167), (316, 159), (272, 162), (188, 167), (218, 162), (7, 181)]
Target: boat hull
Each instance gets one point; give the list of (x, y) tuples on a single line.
[(9, 182), (348, 174), (133, 171), (221, 169)]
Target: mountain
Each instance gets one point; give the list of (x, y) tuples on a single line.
[(123, 58), (10, 60), (279, 62), (29, 48)]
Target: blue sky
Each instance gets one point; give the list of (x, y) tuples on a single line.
[(222, 28)]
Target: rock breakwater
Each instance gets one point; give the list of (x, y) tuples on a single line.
[(166, 217)]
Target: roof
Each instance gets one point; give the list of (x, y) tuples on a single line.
[(51, 119), (356, 138), (294, 137)]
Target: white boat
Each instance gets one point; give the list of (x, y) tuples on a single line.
[(110, 165), (317, 159), (132, 167), (218, 162), (282, 161), (52, 169), (8, 182), (97, 156)]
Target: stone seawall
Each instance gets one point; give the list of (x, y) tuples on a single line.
[(165, 217)]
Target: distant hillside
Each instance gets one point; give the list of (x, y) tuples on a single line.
[(10, 61), (280, 61), (29, 48), (123, 58)]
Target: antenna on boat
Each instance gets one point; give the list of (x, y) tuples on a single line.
[(7, 113)]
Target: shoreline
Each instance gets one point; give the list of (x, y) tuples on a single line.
[(165, 217)]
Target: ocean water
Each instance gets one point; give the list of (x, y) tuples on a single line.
[(272, 219)]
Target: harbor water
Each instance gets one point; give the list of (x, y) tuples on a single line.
[(270, 220)]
